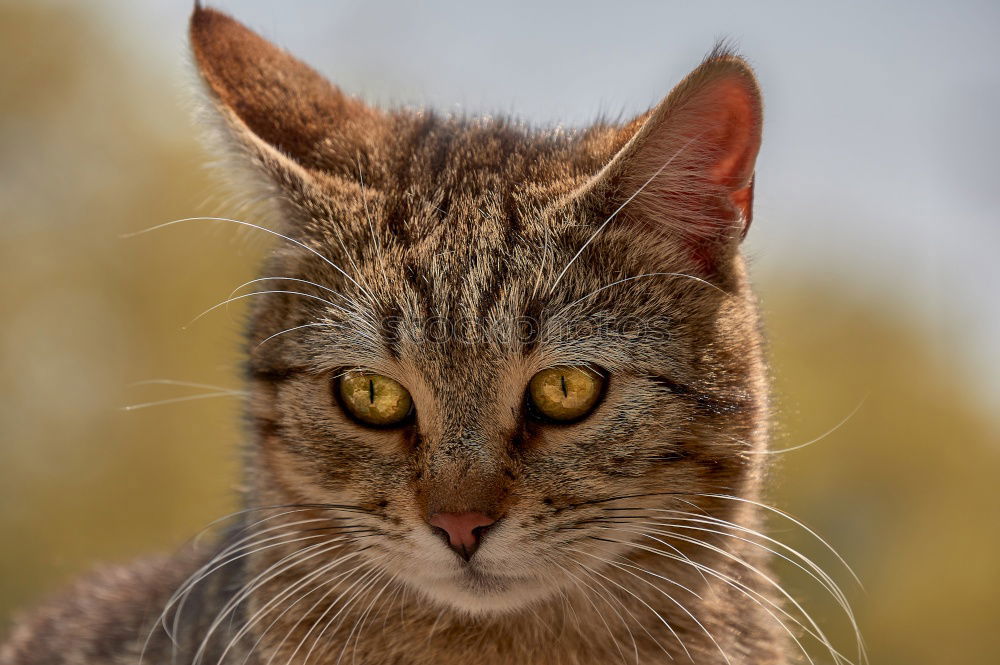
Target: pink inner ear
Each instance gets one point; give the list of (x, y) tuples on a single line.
[(738, 142), (688, 170), (736, 139)]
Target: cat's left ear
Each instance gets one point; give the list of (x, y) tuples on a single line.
[(687, 172), (280, 113)]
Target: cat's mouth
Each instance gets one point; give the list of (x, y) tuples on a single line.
[(478, 579), (475, 576), (477, 589)]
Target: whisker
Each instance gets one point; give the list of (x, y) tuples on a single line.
[(735, 584), (430, 633), (600, 228), (541, 263), (275, 278), (183, 384), (728, 497), (261, 293), (359, 624), (252, 226), (579, 583), (287, 592), (821, 436), (634, 277), (396, 598), (815, 631), (624, 568), (568, 608), (345, 575), (622, 519), (274, 622), (368, 213), (185, 398), (199, 575), (370, 578), (794, 521), (254, 547), (641, 601), (282, 565), (810, 568), (292, 508), (305, 325), (591, 574)]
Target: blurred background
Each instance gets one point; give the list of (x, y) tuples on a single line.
[(874, 249)]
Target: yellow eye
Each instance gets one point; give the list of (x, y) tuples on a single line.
[(565, 393), (374, 399)]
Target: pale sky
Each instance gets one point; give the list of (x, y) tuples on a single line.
[(881, 117)]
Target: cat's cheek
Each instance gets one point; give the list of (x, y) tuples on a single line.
[(294, 476), (314, 454)]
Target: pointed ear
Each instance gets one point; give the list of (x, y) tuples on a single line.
[(287, 115), (687, 172)]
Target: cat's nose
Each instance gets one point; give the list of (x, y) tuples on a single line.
[(464, 530)]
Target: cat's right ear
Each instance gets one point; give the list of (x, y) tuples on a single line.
[(686, 172), (280, 113)]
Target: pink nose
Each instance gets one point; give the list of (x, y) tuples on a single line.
[(464, 530)]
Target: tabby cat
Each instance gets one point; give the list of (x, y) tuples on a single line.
[(507, 396)]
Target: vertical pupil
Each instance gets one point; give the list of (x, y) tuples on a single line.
[(371, 391), (562, 384)]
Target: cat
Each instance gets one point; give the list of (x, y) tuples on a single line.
[(507, 399)]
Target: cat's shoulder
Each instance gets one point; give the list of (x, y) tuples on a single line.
[(97, 619)]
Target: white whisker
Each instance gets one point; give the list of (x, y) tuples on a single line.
[(367, 580), (252, 226), (262, 293), (794, 521), (304, 325), (359, 624), (635, 277), (282, 565), (735, 584), (812, 629), (287, 592), (288, 279), (600, 228), (641, 601), (580, 584), (250, 546), (186, 398), (821, 436), (810, 568), (623, 567), (183, 384)]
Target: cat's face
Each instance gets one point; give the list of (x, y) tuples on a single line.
[(442, 265)]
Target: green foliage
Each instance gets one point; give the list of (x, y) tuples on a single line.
[(905, 488)]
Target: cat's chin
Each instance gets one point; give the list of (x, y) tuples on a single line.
[(478, 593)]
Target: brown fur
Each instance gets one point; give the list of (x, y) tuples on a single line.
[(426, 232)]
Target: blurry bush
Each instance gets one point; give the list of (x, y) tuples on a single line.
[(92, 147)]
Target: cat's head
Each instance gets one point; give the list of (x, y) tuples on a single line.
[(485, 341)]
